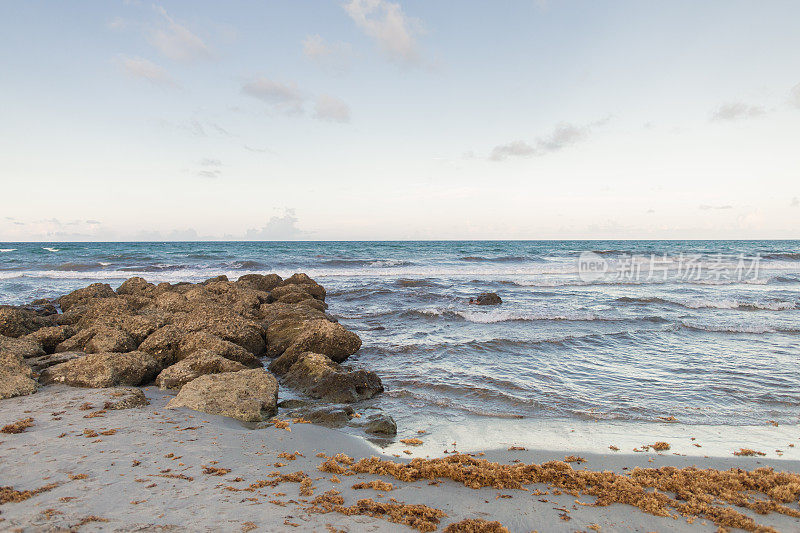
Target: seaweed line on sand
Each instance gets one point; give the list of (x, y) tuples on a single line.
[(697, 492)]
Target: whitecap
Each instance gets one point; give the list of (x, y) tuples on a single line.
[(5, 250), (50, 249)]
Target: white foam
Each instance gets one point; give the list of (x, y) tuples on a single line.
[(50, 249), (5, 250)]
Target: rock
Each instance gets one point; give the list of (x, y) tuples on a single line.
[(18, 349), (82, 296), (319, 377), (164, 344), (292, 404), (15, 384), (335, 417), (96, 339), (318, 336), (381, 424), (259, 282), (247, 395), (41, 362), (50, 337), (137, 286), (203, 340), (16, 322), (126, 398), (199, 363), (308, 284), (104, 370), (301, 311), (487, 298), (222, 277), (229, 326), (172, 302), (290, 294)]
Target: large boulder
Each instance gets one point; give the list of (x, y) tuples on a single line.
[(318, 336), (381, 424), (104, 370), (16, 322), (199, 363), (203, 340), (137, 286), (52, 336), (301, 311), (15, 384), (16, 376), (82, 296), (290, 294), (227, 325), (18, 349), (247, 395), (487, 298), (40, 362), (259, 282), (319, 377)]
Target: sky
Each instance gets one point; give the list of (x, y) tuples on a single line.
[(382, 120)]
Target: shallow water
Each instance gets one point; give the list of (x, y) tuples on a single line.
[(707, 332)]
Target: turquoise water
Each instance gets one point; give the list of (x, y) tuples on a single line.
[(621, 331)]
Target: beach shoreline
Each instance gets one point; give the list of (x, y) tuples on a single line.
[(137, 478)]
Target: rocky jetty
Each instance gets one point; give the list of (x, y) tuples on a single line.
[(208, 341)]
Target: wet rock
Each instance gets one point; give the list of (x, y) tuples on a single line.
[(487, 298), (318, 336), (319, 377), (292, 404), (335, 417), (381, 424), (228, 326), (126, 398), (247, 395), (259, 282), (199, 363), (82, 296), (104, 370), (200, 340), (222, 277), (302, 311), (290, 294), (16, 322), (52, 336), (41, 362), (137, 286), (96, 339)]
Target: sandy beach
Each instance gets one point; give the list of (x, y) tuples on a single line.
[(142, 469)]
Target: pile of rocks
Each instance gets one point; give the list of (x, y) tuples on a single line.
[(206, 340)]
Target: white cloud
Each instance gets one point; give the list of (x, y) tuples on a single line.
[(139, 67), (285, 97), (330, 56), (177, 42), (795, 202), (794, 96), (562, 136), (386, 23), (736, 111), (277, 229), (117, 23), (332, 109), (706, 207)]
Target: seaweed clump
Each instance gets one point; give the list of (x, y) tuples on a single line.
[(418, 516), (17, 427), (476, 525)]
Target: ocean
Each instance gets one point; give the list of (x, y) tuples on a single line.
[(617, 335)]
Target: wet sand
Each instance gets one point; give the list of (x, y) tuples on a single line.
[(156, 469)]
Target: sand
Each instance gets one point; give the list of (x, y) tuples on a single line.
[(152, 469)]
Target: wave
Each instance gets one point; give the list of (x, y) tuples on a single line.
[(503, 259), (247, 265), (699, 303), (50, 249), (79, 267), (787, 256), (737, 328), (154, 268), (501, 315), (6, 250), (365, 262)]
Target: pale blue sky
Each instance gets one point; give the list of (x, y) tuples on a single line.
[(370, 119)]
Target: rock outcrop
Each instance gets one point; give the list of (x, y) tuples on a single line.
[(15, 373), (487, 298), (319, 377), (247, 395)]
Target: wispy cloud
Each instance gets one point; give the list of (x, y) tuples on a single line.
[(331, 109), (176, 41), (334, 57), (736, 111), (388, 26), (795, 202), (794, 96), (285, 97), (139, 67), (706, 207), (562, 136)]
